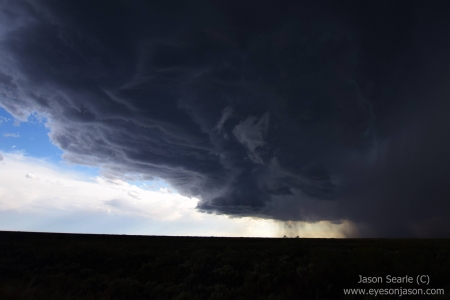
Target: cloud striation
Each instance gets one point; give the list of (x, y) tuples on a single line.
[(313, 111)]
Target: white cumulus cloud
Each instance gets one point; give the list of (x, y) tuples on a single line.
[(66, 201), (31, 176)]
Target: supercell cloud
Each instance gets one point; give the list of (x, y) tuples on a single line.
[(293, 111)]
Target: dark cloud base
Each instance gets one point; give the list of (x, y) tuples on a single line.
[(296, 112)]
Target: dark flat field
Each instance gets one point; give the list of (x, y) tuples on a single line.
[(82, 266)]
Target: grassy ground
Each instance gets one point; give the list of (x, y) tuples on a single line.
[(77, 266)]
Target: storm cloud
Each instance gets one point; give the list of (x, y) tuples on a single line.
[(312, 111)]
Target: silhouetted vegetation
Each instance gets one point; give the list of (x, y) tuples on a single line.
[(69, 266)]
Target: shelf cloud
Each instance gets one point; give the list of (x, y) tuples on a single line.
[(289, 111)]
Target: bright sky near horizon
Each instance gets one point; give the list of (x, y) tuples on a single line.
[(40, 192)]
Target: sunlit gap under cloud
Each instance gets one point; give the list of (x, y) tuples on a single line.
[(38, 195)]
